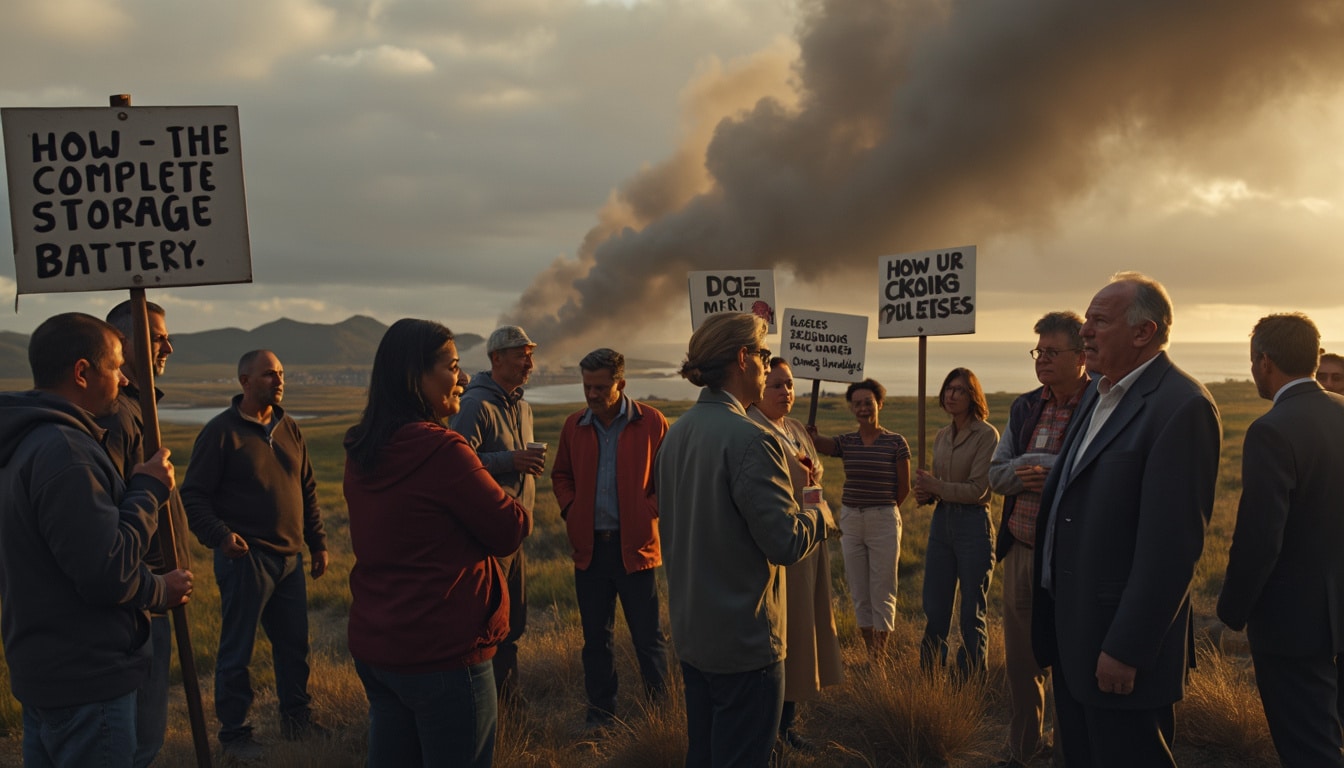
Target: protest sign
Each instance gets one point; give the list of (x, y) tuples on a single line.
[(126, 197), (738, 290), (825, 346), (930, 293)]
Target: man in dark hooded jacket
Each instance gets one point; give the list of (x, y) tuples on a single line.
[(74, 589)]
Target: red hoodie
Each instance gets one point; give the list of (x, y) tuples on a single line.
[(426, 526)]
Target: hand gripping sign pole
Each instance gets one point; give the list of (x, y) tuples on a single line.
[(144, 374)]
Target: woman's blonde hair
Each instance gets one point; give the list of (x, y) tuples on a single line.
[(715, 344)]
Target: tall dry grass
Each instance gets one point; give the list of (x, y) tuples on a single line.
[(1221, 715)]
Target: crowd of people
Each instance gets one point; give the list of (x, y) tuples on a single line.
[(1107, 474)]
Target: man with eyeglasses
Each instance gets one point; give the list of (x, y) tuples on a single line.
[(125, 444), (1037, 421), (729, 525)]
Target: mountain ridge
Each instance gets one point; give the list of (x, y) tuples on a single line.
[(350, 342)]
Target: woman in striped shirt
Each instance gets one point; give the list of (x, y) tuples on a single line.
[(877, 480)]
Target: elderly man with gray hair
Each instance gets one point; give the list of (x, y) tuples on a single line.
[(1121, 527)]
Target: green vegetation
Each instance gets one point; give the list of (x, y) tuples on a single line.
[(885, 715)]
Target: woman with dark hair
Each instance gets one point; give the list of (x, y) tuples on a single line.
[(426, 523), (961, 538), (877, 480)]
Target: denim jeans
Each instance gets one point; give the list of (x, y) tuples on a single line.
[(151, 700), (597, 589), (263, 588), (732, 719), (97, 735), (431, 718), (960, 553)]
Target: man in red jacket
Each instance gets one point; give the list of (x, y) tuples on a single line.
[(603, 479)]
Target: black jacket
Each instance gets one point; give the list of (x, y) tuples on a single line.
[(73, 585)]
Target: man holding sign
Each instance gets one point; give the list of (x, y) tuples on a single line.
[(74, 590), (125, 444)]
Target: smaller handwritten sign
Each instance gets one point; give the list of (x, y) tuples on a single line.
[(824, 346), (738, 290)]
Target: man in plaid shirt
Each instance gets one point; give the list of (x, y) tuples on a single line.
[(1031, 440)]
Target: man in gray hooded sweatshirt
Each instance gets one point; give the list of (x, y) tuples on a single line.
[(497, 422)]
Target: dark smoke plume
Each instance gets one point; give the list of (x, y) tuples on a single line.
[(927, 124)]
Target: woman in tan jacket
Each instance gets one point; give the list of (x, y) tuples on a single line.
[(961, 539)]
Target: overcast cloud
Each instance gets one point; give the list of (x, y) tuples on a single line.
[(463, 160)]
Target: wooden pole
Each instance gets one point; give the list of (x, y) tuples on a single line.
[(149, 412), (923, 374), (812, 410)]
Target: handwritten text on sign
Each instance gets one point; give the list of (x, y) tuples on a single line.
[(824, 346), (743, 290), (930, 293), (124, 197)]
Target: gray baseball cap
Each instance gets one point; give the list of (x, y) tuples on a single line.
[(508, 337)]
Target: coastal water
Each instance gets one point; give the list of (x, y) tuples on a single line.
[(1001, 367)]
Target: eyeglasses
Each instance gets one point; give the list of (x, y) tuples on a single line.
[(956, 390), (1049, 354), (765, 356)]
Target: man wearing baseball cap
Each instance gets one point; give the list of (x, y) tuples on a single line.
[(497, 422)]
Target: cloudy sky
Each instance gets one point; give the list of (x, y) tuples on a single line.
[(564, 163)]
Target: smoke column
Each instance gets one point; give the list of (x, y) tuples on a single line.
[(915, 124)]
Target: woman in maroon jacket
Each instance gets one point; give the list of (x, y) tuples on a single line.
[(426, 523)]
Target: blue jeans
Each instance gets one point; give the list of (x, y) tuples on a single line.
[(597, 589), (263, 588), (960, 552), (431, 718), (97, 735), (732, 718), (151, 700)]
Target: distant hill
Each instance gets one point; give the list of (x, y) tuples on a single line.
[(350, 342)]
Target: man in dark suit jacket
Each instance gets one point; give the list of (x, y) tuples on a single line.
[(1285, 573), (1123, 516)]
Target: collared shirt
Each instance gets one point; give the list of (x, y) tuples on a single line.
[(267, 426), (1110, 394), (606, 507), (1048, 437), (1292, 383)]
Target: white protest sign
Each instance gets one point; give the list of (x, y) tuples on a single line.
[(826, 346), (930, 293), (736, 290), (126, 197)]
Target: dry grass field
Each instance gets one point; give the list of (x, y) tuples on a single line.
[(886, 714)]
